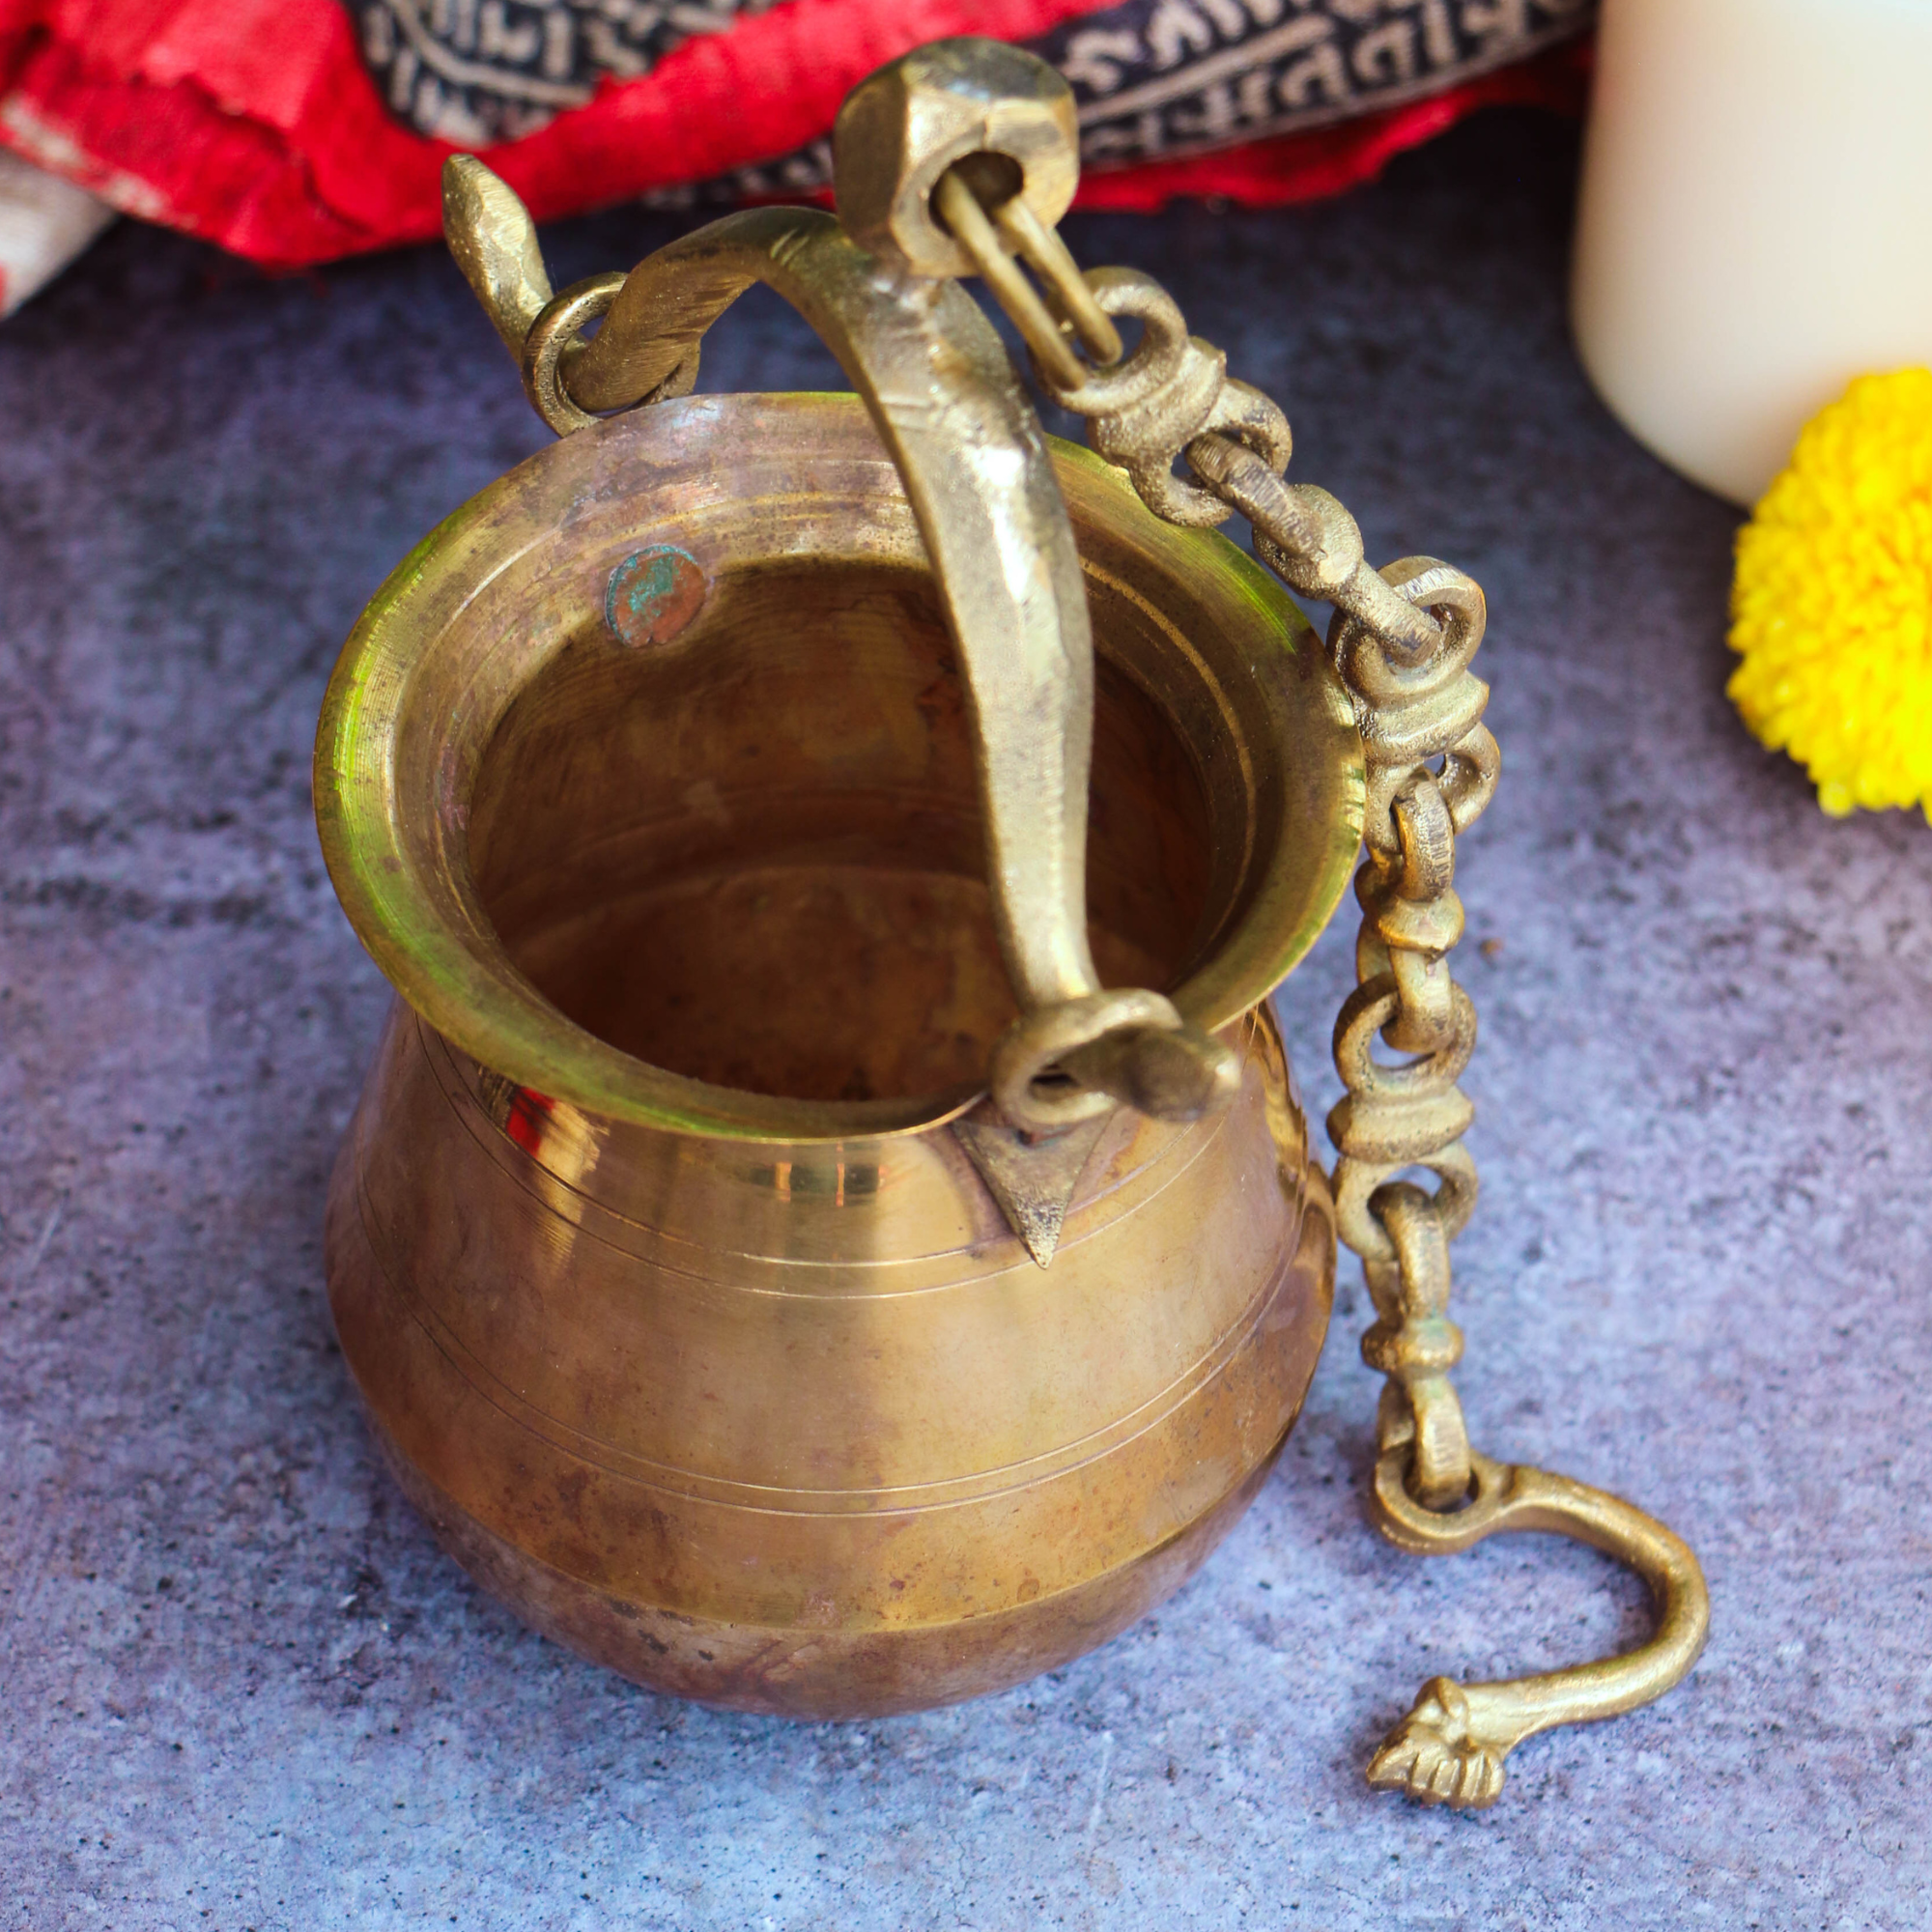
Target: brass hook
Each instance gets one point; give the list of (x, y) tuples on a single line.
[(1451, 1746)]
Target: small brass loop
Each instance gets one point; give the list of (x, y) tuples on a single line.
[(1421, 926), (1303, 533), (1419, 1346), (1066, 1064), (1421, 1247), (959, 208), (1451, 1746), (1244, 419), (1173, 394), (1394, 1130), (1364, 1014), (1470, 770), (557, 327), (1426, 832), (1415, 1344), (1156, 358), (1439, 1447), (1062, 284), (1145, 441), (1356, 1181), (1037, 1044), (1327, 557), (1386, 678), (1425, 1015), (1400, 740), (1241, 469), (1421, 1531), (1368, 599), (1410, 907)]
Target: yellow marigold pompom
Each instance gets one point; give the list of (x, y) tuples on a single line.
[(1832, 607)]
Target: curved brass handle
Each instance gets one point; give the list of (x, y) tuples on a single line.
[(952, 413), (1451, 1746)]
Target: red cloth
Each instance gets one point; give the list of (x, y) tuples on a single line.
[(254, 123)]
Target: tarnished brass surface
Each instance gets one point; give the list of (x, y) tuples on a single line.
[(801, 1428), (1450, 1747), (947, 104), (495, 243)]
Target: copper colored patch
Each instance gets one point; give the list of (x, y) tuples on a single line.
[(654, 594)]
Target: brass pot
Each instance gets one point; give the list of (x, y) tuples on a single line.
[(830, 1231), (690, 1283)]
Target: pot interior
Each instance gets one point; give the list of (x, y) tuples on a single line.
[(731, 880), (754, 855)]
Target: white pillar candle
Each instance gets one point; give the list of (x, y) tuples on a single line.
[(1756, 220)]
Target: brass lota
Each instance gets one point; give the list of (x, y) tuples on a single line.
[(830, 1229)]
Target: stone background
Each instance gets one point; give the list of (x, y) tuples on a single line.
[(241, 1687)]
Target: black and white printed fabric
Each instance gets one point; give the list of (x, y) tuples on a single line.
[(1154, 79)]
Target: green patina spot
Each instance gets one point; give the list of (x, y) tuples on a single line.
[(653, 594)]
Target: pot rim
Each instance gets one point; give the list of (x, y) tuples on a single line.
[(412, 905)]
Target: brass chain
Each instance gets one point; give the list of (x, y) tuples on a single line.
[(1401, 639)]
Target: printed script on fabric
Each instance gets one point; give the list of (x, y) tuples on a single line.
[(478, 71), (1154, 79)]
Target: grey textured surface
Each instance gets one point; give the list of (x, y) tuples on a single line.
[(242, 1688)]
